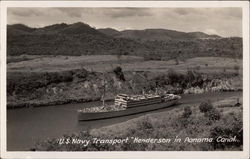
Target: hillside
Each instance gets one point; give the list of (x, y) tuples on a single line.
[(60, 39), (110, 32), (162, 34), (81, 39)]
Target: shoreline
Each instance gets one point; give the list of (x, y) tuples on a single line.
[(76, 101)]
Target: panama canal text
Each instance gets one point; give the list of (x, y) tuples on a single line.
[(137, 140)]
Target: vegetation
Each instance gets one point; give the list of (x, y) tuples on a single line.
[(229, 126), (213, 115), (80, 39), (189, 122), (119, 74), (21, 83), (77, 85), (209, 111), (205, 106), (17, 59), (187, 112)]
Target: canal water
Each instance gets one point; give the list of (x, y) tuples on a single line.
[(27, 126)]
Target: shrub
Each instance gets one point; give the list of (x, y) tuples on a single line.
[(213, 115), (145, 124), (205, 106), (160, 81), (187, 112), (236, 67), (231, 125), (80, 73), (175, 77), (119, 74), (194, 78), (182, 123)]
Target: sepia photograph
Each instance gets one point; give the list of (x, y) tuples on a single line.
[(124, 79)]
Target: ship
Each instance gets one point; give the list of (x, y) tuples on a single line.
[(125, 105)]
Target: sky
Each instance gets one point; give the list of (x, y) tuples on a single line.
[(226, 22)]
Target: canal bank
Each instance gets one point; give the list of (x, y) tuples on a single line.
[(25, 127)]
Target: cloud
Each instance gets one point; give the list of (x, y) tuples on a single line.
[(222, 21), (230, 12), (71, 12), (110, 12), (211, 31), (24, 12), (128, 12), (208, 12)]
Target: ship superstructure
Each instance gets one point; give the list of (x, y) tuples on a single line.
[(136, 100), (128, 104)]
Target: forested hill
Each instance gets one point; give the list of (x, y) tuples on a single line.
[(156, 34), (82, 39)]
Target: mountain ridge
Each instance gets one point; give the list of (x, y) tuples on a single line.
[(82, 39), (144, 34), (155, 34)]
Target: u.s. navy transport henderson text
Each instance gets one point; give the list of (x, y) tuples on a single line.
[(137, 140)]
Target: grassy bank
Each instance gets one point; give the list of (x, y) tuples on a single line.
[(106, 63), (205, 120)]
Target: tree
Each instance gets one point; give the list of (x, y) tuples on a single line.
[(119, 74)]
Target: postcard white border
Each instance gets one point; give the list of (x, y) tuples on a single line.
[(139, 154)]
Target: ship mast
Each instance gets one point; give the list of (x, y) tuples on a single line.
[(104, 90), (156, 90), (103, 95)]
